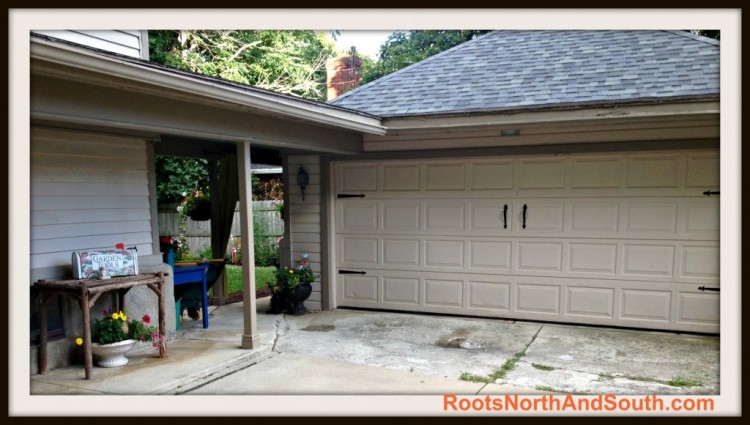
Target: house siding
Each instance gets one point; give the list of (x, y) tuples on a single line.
[(305, 219), (88, 192), (129, 43)]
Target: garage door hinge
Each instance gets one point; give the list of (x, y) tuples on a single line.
[(362, 272), (703, 288), (709, 193), (347, 195)]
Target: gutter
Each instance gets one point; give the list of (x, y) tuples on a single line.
[(288, 107)]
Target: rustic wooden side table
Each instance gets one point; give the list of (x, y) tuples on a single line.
[(87, 291)]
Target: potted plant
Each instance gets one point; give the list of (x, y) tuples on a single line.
[(114, 335), (197, 206), (292, 288)]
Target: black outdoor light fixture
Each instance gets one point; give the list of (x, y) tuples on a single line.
[(302, 180)]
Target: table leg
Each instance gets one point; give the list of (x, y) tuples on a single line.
[(42, 355), (204, 300), (86, 313), (162, 318)]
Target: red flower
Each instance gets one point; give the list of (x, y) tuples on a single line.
[(166, 240), (146, 318)]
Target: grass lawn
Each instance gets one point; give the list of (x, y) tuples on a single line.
[(263, 275)]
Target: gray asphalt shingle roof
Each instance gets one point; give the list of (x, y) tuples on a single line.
[(506, 70)]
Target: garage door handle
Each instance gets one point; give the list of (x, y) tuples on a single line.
[(703, 288), (524, 215), (362, 272), (505, 216), (348, 195)]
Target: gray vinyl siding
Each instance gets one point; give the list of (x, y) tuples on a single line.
[(88, 192), (305, 219), (130, 43)]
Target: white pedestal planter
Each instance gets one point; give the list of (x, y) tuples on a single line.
[(112, 355)]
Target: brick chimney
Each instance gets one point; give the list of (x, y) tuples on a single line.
[(342, 75)]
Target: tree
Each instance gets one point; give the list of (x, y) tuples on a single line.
[(175, 176), (402, 49), (715, 34), (291, 62)]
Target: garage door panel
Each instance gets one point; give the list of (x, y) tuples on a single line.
[(538, 298), (491, 216), (595, 173), (489, 295), (359, 251), (592, 258), (538, 256), (699, 308), (401, 177), (401, 216), (700, 261), (648, 260), (651, 217), (645, 305), (400, 252), (358, 217), (662, 172), (444, 253), (541, 217), (491, 175), (358, 177), (444, 217), (596, 218), (703, 170), (702, 218), (401, 290), (490, 254), (595, 302), (444, 293), (541, 174), (359, 288), (444, 176)]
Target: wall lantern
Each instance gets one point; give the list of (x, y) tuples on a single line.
[(511, 132), (302, 180)]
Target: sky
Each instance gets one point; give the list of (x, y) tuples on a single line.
[(367, 42)]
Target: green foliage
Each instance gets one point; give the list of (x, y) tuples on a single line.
[(175, 176), (291, 62), (264, 243), (715, 34), (290, 277), (115, 327), (681, 381), (542, 367), (402, 49), (264, 277)]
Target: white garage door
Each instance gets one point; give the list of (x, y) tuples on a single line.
[(615, 239)]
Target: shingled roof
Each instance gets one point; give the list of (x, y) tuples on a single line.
[(518, 70)]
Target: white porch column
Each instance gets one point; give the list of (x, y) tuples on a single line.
[(250, 337)]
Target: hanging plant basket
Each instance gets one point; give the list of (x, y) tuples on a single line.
[(201, 211)]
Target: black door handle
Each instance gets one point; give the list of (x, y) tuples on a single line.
[(505, 216), (524, 215), (362, 272)]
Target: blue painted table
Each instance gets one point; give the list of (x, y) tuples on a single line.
[(192, 275)]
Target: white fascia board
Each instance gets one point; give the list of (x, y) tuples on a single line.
[(296, 109)]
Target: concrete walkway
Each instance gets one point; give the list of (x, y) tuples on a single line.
[(361, 352)]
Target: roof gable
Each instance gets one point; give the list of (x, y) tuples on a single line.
[(509, 70)]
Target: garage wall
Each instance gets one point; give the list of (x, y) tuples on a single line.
[(305, 218), (88, 192)]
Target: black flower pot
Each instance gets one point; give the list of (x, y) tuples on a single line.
[(297, 296), (201, 212), (279, 301)]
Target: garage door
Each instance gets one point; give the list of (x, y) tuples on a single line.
[(618, 239)]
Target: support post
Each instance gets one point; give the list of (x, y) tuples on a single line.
[(250, 338)]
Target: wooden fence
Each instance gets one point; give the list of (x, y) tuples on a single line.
[(267, 223)]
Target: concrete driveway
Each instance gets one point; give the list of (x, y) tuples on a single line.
[(364, 352)]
